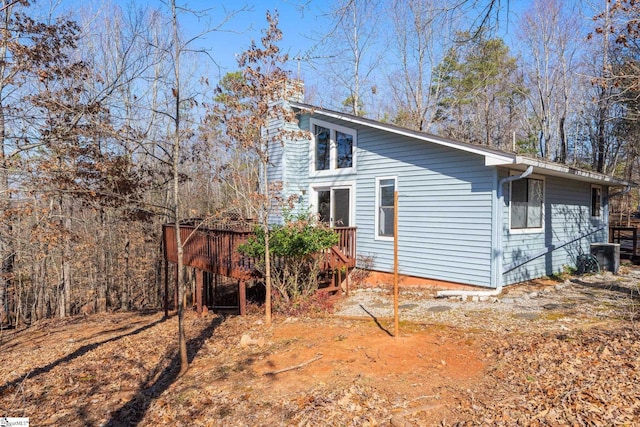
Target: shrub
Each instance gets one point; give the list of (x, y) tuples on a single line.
[(297, 250)]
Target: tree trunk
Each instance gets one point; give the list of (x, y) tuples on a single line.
[(101, 286), (182, 339), (125, 303), (7, 254), (564, 150), (67, 263), (6, 245), (267, 250), (599, 165), (64, 285), (41, 280)]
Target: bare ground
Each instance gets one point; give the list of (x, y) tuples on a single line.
[(544, 353)]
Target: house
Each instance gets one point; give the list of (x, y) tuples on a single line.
[(467, 214)]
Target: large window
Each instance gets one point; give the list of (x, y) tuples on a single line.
[(323, 147), (333, 147), (596, 202), (344, 150), (385, 189), (527, 196)]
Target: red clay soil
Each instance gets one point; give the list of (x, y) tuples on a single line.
[(415, 364), (120, 369)]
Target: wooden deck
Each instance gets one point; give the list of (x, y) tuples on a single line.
[(627, 237), (211, 250), (215, 251)]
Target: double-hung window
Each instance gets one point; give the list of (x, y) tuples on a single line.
[(527, 202), (385, 211), (333, 148)]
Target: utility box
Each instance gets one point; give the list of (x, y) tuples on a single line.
[(608, 256)]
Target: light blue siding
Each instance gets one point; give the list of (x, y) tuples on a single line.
[(444, 213), (569, 229), (288, 166), (296, 171), (447, 203), (444, 206)]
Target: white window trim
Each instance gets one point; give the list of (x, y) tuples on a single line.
[(544, 196), (377, 205), (601, 213), (333, 185), (332, 171)]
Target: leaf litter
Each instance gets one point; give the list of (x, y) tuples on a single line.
[(576, 367)]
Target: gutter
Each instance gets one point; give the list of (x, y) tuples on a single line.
[(498, 279)]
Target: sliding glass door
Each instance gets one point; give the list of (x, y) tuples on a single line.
[(333, 205)]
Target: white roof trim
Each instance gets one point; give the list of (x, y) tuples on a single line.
[(557, 169), (492, 157)]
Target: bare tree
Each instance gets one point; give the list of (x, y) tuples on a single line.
[(31, 53), (549, 33), (605, 89), (421, 40), (237, 169), (253, 113), (181, 131), (354, 51)]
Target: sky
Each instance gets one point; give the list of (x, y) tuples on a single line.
[(299, 21), (302, 22)]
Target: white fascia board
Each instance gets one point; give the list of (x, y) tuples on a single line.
[(557, 169), (499, 160)]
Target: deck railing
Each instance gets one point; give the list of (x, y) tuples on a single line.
[(347, 242), (212, 250), (216, 250)]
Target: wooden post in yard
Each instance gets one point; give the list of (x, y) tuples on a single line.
[(199, 286), (242, 297), (396, 320)]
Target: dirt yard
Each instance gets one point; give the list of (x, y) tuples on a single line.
[(545, 353)]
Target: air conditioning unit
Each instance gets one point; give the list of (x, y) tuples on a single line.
[(608, 256)]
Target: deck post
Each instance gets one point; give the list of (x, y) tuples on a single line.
[(347, 282), (206, 293), (242, 297), (199, 281), (166, 287), (215, 288)]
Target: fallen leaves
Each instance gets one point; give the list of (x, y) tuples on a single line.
[(583, 377), (121, 368), (355, 405)]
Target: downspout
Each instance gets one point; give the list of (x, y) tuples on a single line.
[(619, 193), (498, 279)]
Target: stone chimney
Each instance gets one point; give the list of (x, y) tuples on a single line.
[(295, 90)]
